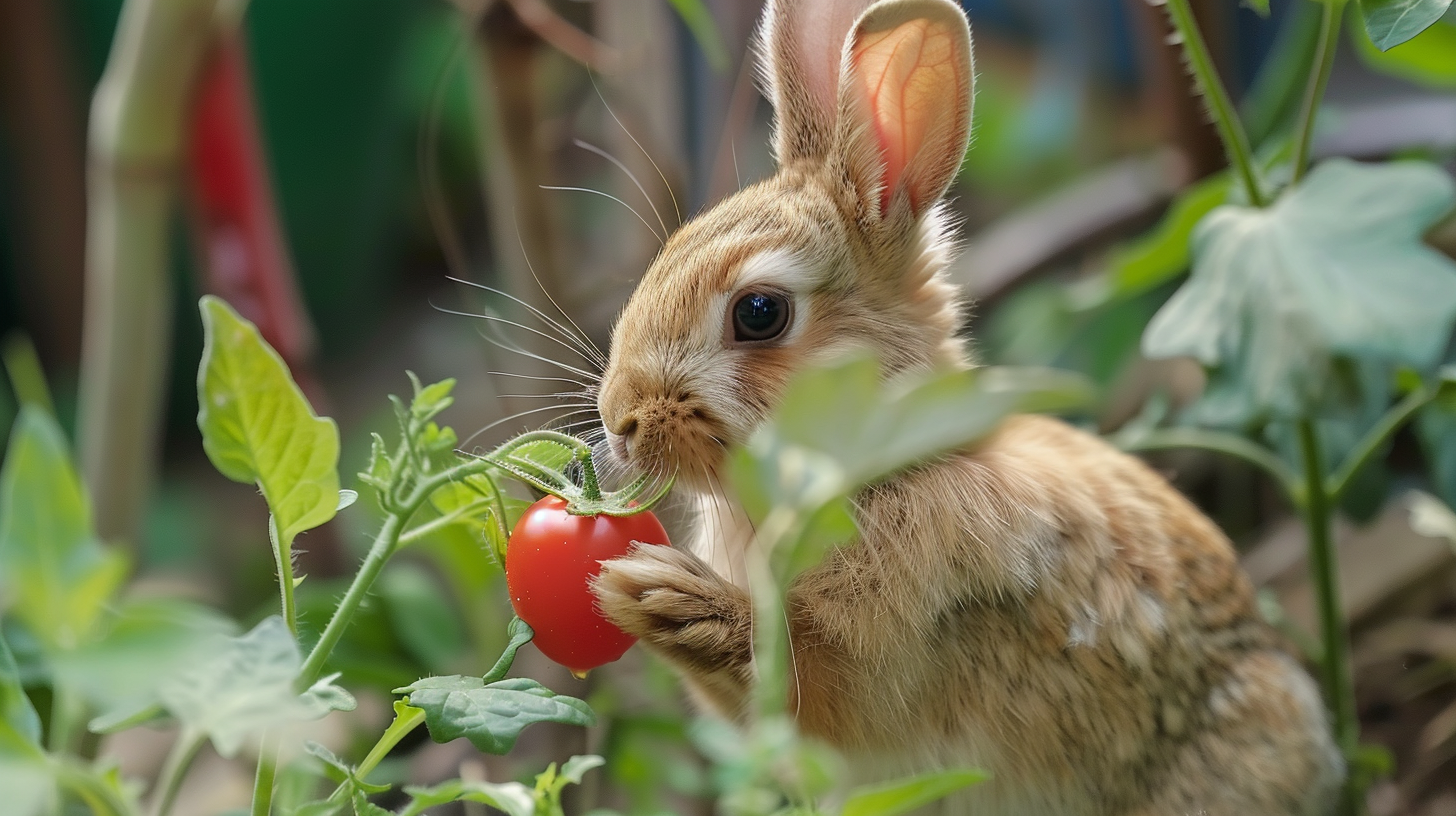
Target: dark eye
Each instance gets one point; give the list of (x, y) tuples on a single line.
[(760, 316)]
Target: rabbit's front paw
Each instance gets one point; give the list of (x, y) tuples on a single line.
[(677, 605)]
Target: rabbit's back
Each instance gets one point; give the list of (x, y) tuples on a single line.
[(1051, 609)]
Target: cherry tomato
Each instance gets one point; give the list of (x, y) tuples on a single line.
[(551, 558)]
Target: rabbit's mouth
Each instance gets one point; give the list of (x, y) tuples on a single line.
[(674, 439)]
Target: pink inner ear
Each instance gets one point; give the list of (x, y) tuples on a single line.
[(909, 77)]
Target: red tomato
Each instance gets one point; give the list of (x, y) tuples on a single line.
[(551, 558)]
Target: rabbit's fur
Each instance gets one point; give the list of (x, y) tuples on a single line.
[(1040, 605)]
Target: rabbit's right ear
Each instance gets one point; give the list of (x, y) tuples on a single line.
[(802, 51)]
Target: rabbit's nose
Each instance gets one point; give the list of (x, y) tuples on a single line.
[(621, 437)]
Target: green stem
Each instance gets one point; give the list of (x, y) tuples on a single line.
[(407, 721), (416, 533), (283, 556), (1370, 445), (179, 759), (1329, 40), (1227, 444), (1324, 569), (66, 710), (263, 782), (1230, 130), (590, 490), (385, 543)]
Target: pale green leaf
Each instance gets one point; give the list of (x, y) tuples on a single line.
[(258, 427), (491, 716), (56, 574), (26, 774), (905, 795), (1392, 22), (15, 707), (572, 770), (513, 798), (245, 686), (1283, 300)]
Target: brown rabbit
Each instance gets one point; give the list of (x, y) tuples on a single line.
[(1041, 605)]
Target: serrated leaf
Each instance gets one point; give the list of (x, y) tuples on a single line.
[(56, 574), (16, 709), (430, 400), (491, 716), (258, 427), (245, 686), (513, 798), (1282, 300), (1392, 22), (905, 795)]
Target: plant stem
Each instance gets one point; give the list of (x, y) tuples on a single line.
[(1230, 130), (263, 782), (66, 710), (1393, 420), (589, 487), (184, 750), (1324, 572), (385, 543), (284, 558), (1329, 40), (407, 721), (1227, 444)]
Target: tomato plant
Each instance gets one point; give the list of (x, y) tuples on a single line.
[(551, 559)]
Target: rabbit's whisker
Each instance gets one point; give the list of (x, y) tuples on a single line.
[(586, 386), (660, 238), (620, 166), (583, 406), (506, 321), (534, 356), (676, 210), (581, 341)]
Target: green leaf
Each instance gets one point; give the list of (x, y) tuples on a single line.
[(258, 427), (491, 716), (26, 774), (16, 710), (905, 795), (422, 615), (1162, 254), (430, 400), (246, 686), (700, 23), (1282, 301), (1392, 22), (575, 768), (1424, 59), (56, 574), (513, 798)]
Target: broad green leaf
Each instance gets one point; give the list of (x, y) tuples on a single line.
[(56, 574), (16, 710), (26, 774), (1285, 299), (1425, 59), (513, 798), (491, 716), (905, 795), (245, 686), (840, 427), (1392, 22), (136, 650), (258, 427)]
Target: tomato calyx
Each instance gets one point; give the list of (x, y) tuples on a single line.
[(546, 460)]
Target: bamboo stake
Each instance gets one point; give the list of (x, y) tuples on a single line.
[(136, 140)]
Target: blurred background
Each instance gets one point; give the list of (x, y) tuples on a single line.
[(346, 159)]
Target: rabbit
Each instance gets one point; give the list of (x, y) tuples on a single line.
[(1039, 605)]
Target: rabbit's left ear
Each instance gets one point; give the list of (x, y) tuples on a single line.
[(904, 118)]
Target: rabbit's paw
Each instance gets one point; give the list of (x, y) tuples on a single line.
[(677, 605)]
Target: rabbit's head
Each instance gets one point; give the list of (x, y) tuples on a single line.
[(843, 249)]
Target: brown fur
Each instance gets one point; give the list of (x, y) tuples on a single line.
[(1040, 605)]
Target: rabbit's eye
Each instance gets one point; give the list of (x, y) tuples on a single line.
[(760, 316)]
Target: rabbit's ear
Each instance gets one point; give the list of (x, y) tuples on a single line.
[(801, 49), (904, 117)]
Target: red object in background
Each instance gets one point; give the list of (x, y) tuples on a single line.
[(241, 240), (551, 558)]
